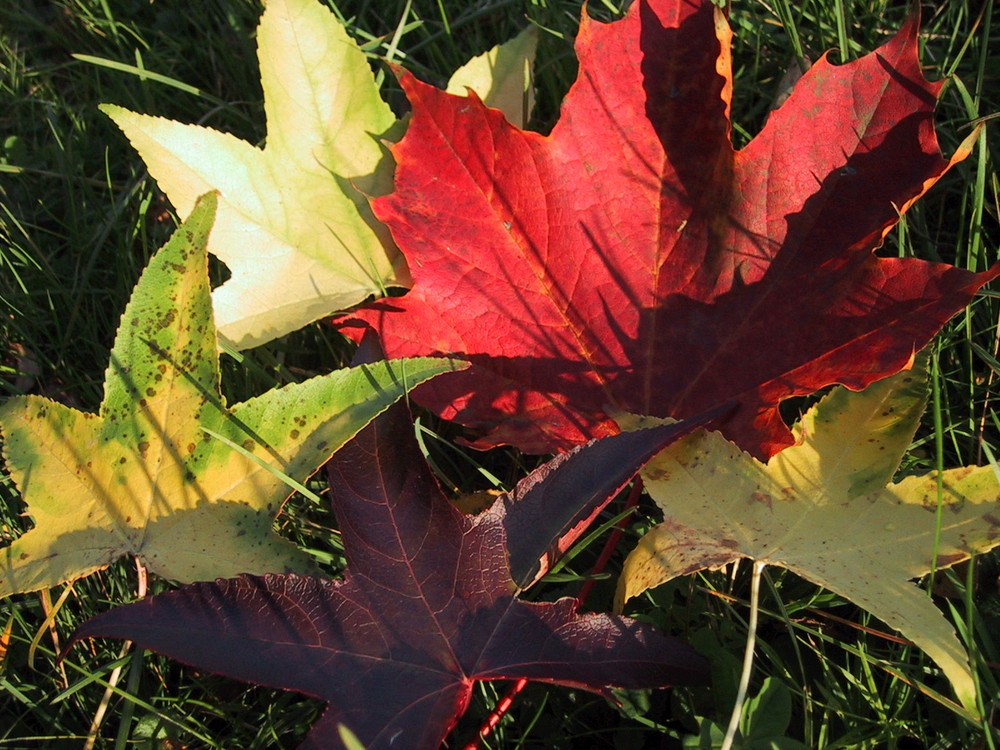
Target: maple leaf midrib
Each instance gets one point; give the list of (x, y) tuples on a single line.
[(662, 252), (541, 277), (609, 224), (179, 384), (276, 153), (405, 557)]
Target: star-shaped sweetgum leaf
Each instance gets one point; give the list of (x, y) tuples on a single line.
[(165, 471), (428, 602), (633, 260), (295, 228), (827, 509)]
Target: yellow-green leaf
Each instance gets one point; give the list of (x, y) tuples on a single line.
[(502, 77), (145, 476), (826, 509), (294, 226)]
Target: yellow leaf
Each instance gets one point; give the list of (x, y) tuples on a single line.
[(145, 477), (826, 509), (502, 77), (294, 225)]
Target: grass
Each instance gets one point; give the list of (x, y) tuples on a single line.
[(79, 219)]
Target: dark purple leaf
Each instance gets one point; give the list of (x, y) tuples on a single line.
[(427, 605)]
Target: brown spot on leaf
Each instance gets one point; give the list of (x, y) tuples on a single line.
[(946, 561)]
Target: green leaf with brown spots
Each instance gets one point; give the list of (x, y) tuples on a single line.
[(826, 508), (148, 475)]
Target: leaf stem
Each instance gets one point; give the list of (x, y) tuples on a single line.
[(741, 693), (612, 543), (498, 712)]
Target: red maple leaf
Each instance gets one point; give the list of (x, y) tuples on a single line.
[(633, 260), (428, 602)]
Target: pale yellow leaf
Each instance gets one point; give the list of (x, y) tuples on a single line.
[(827, 510), (502, 77), (294, 227)]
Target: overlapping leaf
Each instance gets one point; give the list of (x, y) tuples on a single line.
[(428, 603), (166, 471), (633, 260), (502, 77), (826, 509), (294, 225)]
